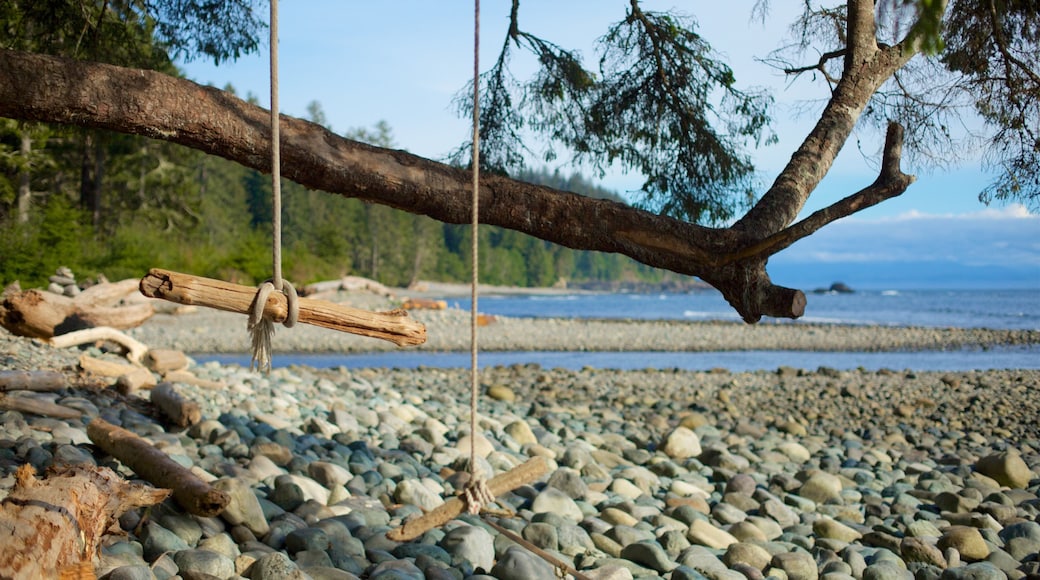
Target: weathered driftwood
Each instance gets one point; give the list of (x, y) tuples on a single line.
[(37, 407), (181, 410), (135, 350), (194, 495), (54, 525), (522, 474), (163, 360), (347, 283), (394, 326), (32, 381), (104, 368), (107, 294), (41, 314)]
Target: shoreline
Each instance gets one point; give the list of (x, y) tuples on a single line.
[(207, 331), (779, 464)]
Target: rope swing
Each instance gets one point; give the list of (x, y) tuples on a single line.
[(261, 328), (276, 299)]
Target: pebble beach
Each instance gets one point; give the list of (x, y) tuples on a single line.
[(785, 473)]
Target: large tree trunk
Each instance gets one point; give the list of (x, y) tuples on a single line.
[(732, 259)]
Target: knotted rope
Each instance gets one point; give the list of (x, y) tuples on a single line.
[(261, 328)]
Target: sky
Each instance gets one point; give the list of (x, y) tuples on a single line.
[(403, 62)]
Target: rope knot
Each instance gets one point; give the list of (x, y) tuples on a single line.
[(261, 327)]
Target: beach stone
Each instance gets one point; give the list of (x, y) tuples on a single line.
[(471, 544), (306, 539), (835, 530), (976, 571), (412, 492), (221, 544), (913, 549), (131, 572), (886, 570), (1007, 468), (649, 554), (702, 559), (501, 393), (328, 474), (521, 432), (703, 533), (243, 506), (794, 451), (542, 535), (681, 443), (519, 564), (483, 446), (750, 554), (570, 482), (968, 542), (821, 487), (204, 562), (609, 572), (275, 566), (741, 483), (158, 540), (746, 531), (797, 565), (396, 570), (552, 500)]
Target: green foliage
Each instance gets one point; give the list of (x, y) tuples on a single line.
[(662, 103), (993, 44)]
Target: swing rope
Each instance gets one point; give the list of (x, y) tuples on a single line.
[(477, 493), (261, 328)]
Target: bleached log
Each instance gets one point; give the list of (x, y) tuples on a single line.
[(57, 524), (37, 407), (163, 360), (135, 350), (194, 495), (104, 368), (347, 283), (108, 294), (32, 381), (40, 314), (394, 326)]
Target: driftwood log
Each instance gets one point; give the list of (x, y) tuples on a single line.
[(135, 349), (32, 381), (348, 284), (41, 314), (180, 410), (37, 407), (394, 326), (194, 495), (53, 525)]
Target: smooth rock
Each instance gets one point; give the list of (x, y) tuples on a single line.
[(1007, 468)]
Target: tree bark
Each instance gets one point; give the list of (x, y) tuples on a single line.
[(52, 89)]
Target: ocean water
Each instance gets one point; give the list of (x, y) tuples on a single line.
[(1001, 309), (1005, 309)]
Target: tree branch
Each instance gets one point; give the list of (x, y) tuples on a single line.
[(867, 67), (891, 182), (55, 90)]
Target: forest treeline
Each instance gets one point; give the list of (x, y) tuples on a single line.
[(117, 205)]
